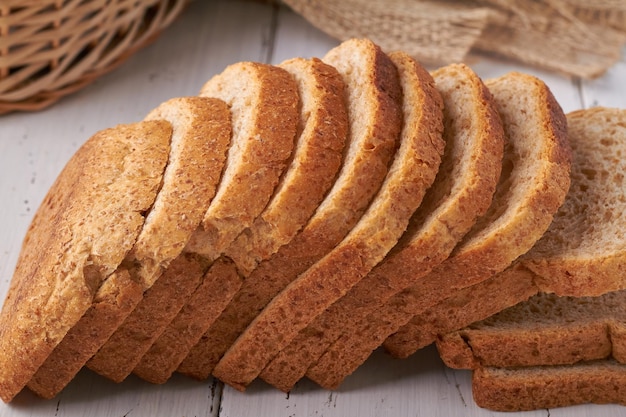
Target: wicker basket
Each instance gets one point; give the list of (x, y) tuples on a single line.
[(49, 48)]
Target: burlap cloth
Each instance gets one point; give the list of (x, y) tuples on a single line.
[(576, 37)]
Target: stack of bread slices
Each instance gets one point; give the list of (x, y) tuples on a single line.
[(291, 219)]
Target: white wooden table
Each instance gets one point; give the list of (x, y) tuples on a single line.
[(208, 37)]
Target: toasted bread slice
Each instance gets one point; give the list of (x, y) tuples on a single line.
[(577, 236), (420, 154), (365, 246), (315, 162), (546, 387), (373, 101), (82, 231), (536, 180), (263, 101), (179, 206), (533, 184)]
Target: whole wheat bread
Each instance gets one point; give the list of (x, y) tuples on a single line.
[(81, 232), (545, 330), (536, 180), (263, 101), (379, 229), (421, 148), (545, 387), (373, 102), (316, 159), (533, 184), (469, 172), (201, 133), (591, 211)]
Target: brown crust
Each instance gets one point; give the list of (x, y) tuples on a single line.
[(545, 330), (430, 242), (343, 206), (216, 290), (523, 389), (265, 119), (568, 274), (423, 126), (202, 134), (315, 162), (46, 300), (491, 249)]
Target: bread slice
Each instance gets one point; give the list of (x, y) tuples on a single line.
[(420, 151), (481, 300), (546, 387), (379, 229), (534, 181), (583, 252), (81, 232), (373, 102), (314, 165), (263, 101), (545, 330), (594, 203), (201, 133)]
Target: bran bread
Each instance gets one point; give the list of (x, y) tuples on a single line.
[(379, 229), (469, 172), (533, 184), (484, 299), (82, 231), (544, 330), (264, 122), (582, 254), (200, 136), (201, 308), (421, 149), (315, 162), (264, 102), (546, 387), (372, 98), (577, 236)]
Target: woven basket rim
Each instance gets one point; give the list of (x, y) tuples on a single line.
[(81, 43)]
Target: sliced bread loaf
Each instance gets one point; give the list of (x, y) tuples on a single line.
[(373, 104), (536, 180), (546, 387), (379, 229), (469, 172), (533, 184), (201, 133), (263, 100), (82, 231), (314, 165), (594, 202), (421, 148)]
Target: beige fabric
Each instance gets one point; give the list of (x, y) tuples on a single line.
[(571, 36)]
